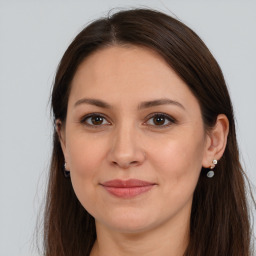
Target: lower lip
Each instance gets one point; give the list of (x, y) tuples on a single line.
[(128, 192)]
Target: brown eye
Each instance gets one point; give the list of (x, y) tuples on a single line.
[(97, 120), (161, 120), (94, 120)]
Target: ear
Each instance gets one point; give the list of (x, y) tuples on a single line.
[(60, 129), (216, 141)]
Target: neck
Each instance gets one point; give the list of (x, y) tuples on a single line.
[(168, 239)]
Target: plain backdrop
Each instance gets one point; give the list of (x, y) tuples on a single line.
[(34, 36)]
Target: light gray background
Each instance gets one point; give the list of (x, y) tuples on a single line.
[(33, 37)]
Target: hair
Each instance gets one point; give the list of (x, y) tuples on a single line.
[(220, 223)]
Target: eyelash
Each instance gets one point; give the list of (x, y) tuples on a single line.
[(170, 119)]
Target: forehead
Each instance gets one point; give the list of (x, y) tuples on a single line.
[(121, 74)]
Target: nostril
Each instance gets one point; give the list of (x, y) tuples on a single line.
[(126, 159), (125, 165)]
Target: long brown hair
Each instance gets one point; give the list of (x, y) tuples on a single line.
[(219, 219)]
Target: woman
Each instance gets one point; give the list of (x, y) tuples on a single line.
[(145, 138)]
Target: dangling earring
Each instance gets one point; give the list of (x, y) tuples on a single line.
[(210, 174), (66, 172)]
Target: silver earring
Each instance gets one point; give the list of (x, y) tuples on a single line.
[(210, 173), (66, 172)]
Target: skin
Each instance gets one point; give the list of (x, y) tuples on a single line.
[(128, 143)]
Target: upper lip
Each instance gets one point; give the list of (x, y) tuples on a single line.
[(127, 183)]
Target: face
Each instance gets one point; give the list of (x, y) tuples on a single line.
[(133, 141)]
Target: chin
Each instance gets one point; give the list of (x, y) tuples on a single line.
[(130, 223), (131, 228)]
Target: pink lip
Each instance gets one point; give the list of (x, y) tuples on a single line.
[(127, 188)]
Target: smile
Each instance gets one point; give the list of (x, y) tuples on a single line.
[(127, 188)]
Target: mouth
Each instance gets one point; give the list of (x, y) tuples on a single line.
[(127, 188)]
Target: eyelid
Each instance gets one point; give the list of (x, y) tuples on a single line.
[(168, 117), (83, 120)]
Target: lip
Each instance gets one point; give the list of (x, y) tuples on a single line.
[(127, 188)]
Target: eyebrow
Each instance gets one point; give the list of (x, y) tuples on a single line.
[(95, 102), (142, 105), (158, 102)]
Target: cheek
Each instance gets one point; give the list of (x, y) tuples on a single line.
[(179, 162), (85, 154)]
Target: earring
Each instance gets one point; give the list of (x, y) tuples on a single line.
[(210, 174), (66, 172)]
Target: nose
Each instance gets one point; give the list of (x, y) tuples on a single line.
[(126, 148)]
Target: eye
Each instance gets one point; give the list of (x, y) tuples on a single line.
[(160, 119), (94, 120)]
